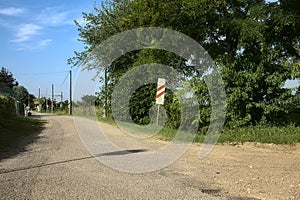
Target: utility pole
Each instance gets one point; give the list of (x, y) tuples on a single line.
[(52, 103), (70, 103), (40, 106), (46, 100), (61, 99)]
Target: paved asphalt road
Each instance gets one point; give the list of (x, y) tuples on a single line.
[(55, 165)]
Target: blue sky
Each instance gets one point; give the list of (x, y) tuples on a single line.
[(37, 38)]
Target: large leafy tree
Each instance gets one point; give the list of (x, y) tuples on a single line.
[(255, 44), (21, 94)]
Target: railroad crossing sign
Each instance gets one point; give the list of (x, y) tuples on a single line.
[(160, 93)]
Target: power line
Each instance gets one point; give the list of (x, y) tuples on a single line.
[(64, 80), (41, 73)]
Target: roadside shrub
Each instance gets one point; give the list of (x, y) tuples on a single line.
[(7, 107)]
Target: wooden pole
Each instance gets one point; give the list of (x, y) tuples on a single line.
[(61, 99), (52, 103), (70, 103), (40, 105)]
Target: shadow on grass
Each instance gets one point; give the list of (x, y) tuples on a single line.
[(17, 133)]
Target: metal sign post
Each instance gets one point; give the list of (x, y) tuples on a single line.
[(160, 95)]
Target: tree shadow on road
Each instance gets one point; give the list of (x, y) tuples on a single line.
[(114, 153)]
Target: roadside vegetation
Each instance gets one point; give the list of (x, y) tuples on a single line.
[(289, 134), (13, 129), (255, 45), (13, 125)]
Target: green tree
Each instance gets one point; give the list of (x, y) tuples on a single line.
[(21, 94), (89, 100), (254, 44), (7, 81)]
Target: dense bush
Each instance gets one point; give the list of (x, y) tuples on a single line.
[(7, 107), (142, 103)]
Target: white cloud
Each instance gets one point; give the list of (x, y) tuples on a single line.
[(33, 45), (26, 31), (30, 35), (54, 17), (12, 11), (44, 43)]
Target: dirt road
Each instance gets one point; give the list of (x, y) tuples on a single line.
[(55, 165)]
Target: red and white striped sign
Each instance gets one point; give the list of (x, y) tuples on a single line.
[(160, 93)]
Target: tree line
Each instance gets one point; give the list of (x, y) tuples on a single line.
[(10, 87), (254, 43)]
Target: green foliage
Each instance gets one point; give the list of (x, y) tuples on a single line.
[(60, 108), (140, 103), (14, 128), (10, 87), (7, 82), (21, 94), (255, 45), (99, 114), (88, 100), (143, 99), (7, 107), (7, 79), (289, 134)]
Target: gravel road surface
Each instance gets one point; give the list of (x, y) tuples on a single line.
[(57, 166), (54, 164)]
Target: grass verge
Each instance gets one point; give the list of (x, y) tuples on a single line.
[(15, 128), (107, 120), (288, 134)]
